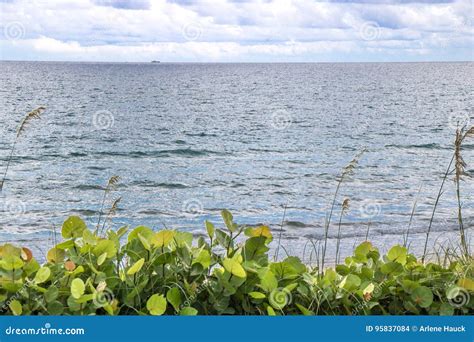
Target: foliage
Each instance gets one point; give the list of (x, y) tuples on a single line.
[(170, 272)]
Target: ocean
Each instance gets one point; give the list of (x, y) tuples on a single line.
[(266, 141)]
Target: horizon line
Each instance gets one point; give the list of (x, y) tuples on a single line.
[(233, 62)]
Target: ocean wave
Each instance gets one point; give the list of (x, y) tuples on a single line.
[(166, 185), (183, 152), (431, 146)]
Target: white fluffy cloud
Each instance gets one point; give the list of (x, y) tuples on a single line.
[(280, 30)]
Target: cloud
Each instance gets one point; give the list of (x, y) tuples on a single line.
[(125, 4), (236, 30)]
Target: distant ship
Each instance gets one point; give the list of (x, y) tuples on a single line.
[(155, 61)]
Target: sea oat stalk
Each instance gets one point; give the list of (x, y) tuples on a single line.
[(34, 114)]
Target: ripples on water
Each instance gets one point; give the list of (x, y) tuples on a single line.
[(190, 139)]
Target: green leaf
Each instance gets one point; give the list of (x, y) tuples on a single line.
[(289, 268), (467, 283), (409, 285), (183, 239), (145, 242), (142, 230), (101, 258), (55, 255), (330, 275), (446, 310), (55, 308), (259, 231), (422, 296), (72, 304), (73, 227), (122, 230), (398, 254), (304, 311), (453, 291), (270, 311), (350, 282), (88, 237), (368, 289), (163, 238), (268, 281), (42, 275), (11, 262), (31, 267), (210, 229), (86, 298), (15, 307), (174, 297), (51, 294), (254, 248), (223, 238), (234, 267), (343, 269), (203, 258), (105, 246), (257, 295), (391, 267), (156, 305), (228, 220), (363, 249), (188, 311), (136, 267), (66, 244), (77, 288)]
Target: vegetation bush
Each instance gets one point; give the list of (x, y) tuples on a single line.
[(169, 272)]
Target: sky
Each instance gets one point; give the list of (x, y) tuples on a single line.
[(237, 30)]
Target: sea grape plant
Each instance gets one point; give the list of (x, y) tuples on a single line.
[(147, 272)]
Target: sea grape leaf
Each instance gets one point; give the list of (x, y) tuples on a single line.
[(156, 305), (136, 267), (77, 288), (73, 227)]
